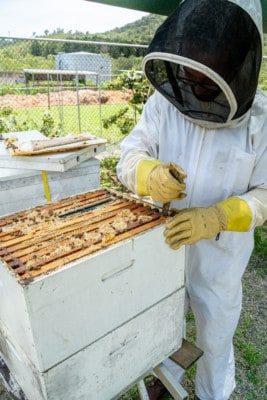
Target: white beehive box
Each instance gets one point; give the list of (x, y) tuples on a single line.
[(59, 162), (21, 189), (93, 327)]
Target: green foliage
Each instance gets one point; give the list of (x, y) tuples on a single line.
[(67, 118), (132, 394), (17, 56), (8, 89), (140, 31), (263, 76), (108, 175), (5, 111), (123, 121), (49, 126), (126, 63), (111, 120), (10, 122), (138, 85)]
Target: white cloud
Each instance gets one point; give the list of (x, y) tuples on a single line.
[(23, 17)]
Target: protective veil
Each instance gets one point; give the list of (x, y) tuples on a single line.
[(217, 39), (220, 163)]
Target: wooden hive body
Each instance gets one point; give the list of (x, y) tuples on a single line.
[(93, 326)]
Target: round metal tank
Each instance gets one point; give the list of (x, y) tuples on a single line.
[(84, 61)]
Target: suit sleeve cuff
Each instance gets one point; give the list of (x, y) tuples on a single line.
[(144, 168), (238, 213)]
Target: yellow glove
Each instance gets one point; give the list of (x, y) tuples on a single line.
[(194, 224), (163, 182)]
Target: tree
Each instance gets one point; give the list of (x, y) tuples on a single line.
[(36, 49), (127, 117)]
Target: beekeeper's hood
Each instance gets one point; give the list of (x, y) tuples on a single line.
[(205, 59)]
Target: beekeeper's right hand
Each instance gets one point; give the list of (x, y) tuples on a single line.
[(164, 182)]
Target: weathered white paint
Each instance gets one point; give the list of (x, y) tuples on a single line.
[(83, 301), (109, 366), (22, 189), (59, 162), (23, 371), (113, 364), (14, 318)]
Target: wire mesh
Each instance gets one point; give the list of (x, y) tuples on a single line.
[(61, 86), (64, 86)]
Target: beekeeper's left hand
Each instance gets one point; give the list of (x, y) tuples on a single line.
[(193, 224), (190, 225)]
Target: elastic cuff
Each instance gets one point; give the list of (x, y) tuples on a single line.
[(238, 213), (144, 168)]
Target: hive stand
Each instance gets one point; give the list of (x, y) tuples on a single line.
[(185, 357)]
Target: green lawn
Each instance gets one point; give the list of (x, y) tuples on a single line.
[(90, 117)]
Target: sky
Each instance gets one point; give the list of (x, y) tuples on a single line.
[(23, 17)]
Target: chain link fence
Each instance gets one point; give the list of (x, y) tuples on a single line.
[(71, 86), (65, 86)]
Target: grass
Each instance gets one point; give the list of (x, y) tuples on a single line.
[(90, 117)]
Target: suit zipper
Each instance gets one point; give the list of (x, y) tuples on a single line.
[(196, 169)]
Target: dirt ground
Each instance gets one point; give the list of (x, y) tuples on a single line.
[(67, 97)]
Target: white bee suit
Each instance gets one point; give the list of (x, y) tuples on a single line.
[(220, 162)]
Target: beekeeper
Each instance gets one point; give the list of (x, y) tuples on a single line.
[(208, 118)]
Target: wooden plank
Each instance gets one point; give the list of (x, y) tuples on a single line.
[(32, 147), (60, 226), (27, 246), (170, 382), (59, 206), (37, 250), (187, 355), (52, 263)]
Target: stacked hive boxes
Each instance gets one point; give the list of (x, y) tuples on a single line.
[(94, 326)]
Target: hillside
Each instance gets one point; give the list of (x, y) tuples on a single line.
[(17, 55), (140, 31)]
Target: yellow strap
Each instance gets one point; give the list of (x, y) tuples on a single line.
[(144, 168), (238, 213), (46, 186)]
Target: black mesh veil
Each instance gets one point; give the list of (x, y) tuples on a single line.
[(205, 59)]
